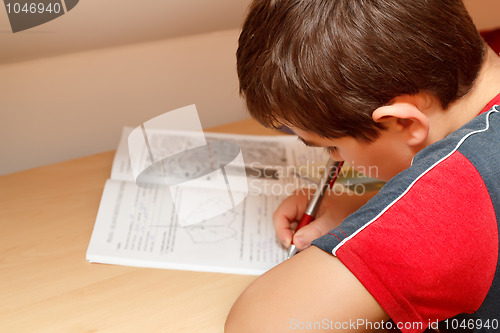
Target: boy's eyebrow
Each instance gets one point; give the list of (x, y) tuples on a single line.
[(307, 143)]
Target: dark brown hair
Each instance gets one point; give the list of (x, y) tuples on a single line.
[(325, 65)]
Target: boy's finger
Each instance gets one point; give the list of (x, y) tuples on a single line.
[(304, 237), (286, 215), (284, 219), (284, 229)]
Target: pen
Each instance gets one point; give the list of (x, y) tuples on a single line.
[(333, 170)]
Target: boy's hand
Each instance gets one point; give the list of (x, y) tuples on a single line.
[(333, 210)]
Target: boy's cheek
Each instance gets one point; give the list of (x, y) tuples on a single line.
[(380, 171)]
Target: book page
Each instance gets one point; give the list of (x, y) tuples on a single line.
[(138, 227), (272, 159)]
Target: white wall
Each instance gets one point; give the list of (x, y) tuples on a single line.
[(59, 108), (484, 13), (97, 24), (56, 104)]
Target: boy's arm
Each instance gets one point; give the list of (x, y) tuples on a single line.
[(312, 291)]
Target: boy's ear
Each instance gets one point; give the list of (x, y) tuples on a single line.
[(405, 118)]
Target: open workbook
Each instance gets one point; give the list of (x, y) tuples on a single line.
[(138, 226)]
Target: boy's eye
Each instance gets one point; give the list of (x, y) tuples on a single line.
[(331, 149)]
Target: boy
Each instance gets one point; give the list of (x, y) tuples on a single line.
[(407, 86)]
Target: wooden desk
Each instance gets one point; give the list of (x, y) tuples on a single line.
[(46, 216)]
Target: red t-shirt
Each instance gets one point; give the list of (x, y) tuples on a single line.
[(426, 246)]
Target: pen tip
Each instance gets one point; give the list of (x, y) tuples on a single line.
[(292, 250)]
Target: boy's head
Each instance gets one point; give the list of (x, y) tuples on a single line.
[(324, 66)]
